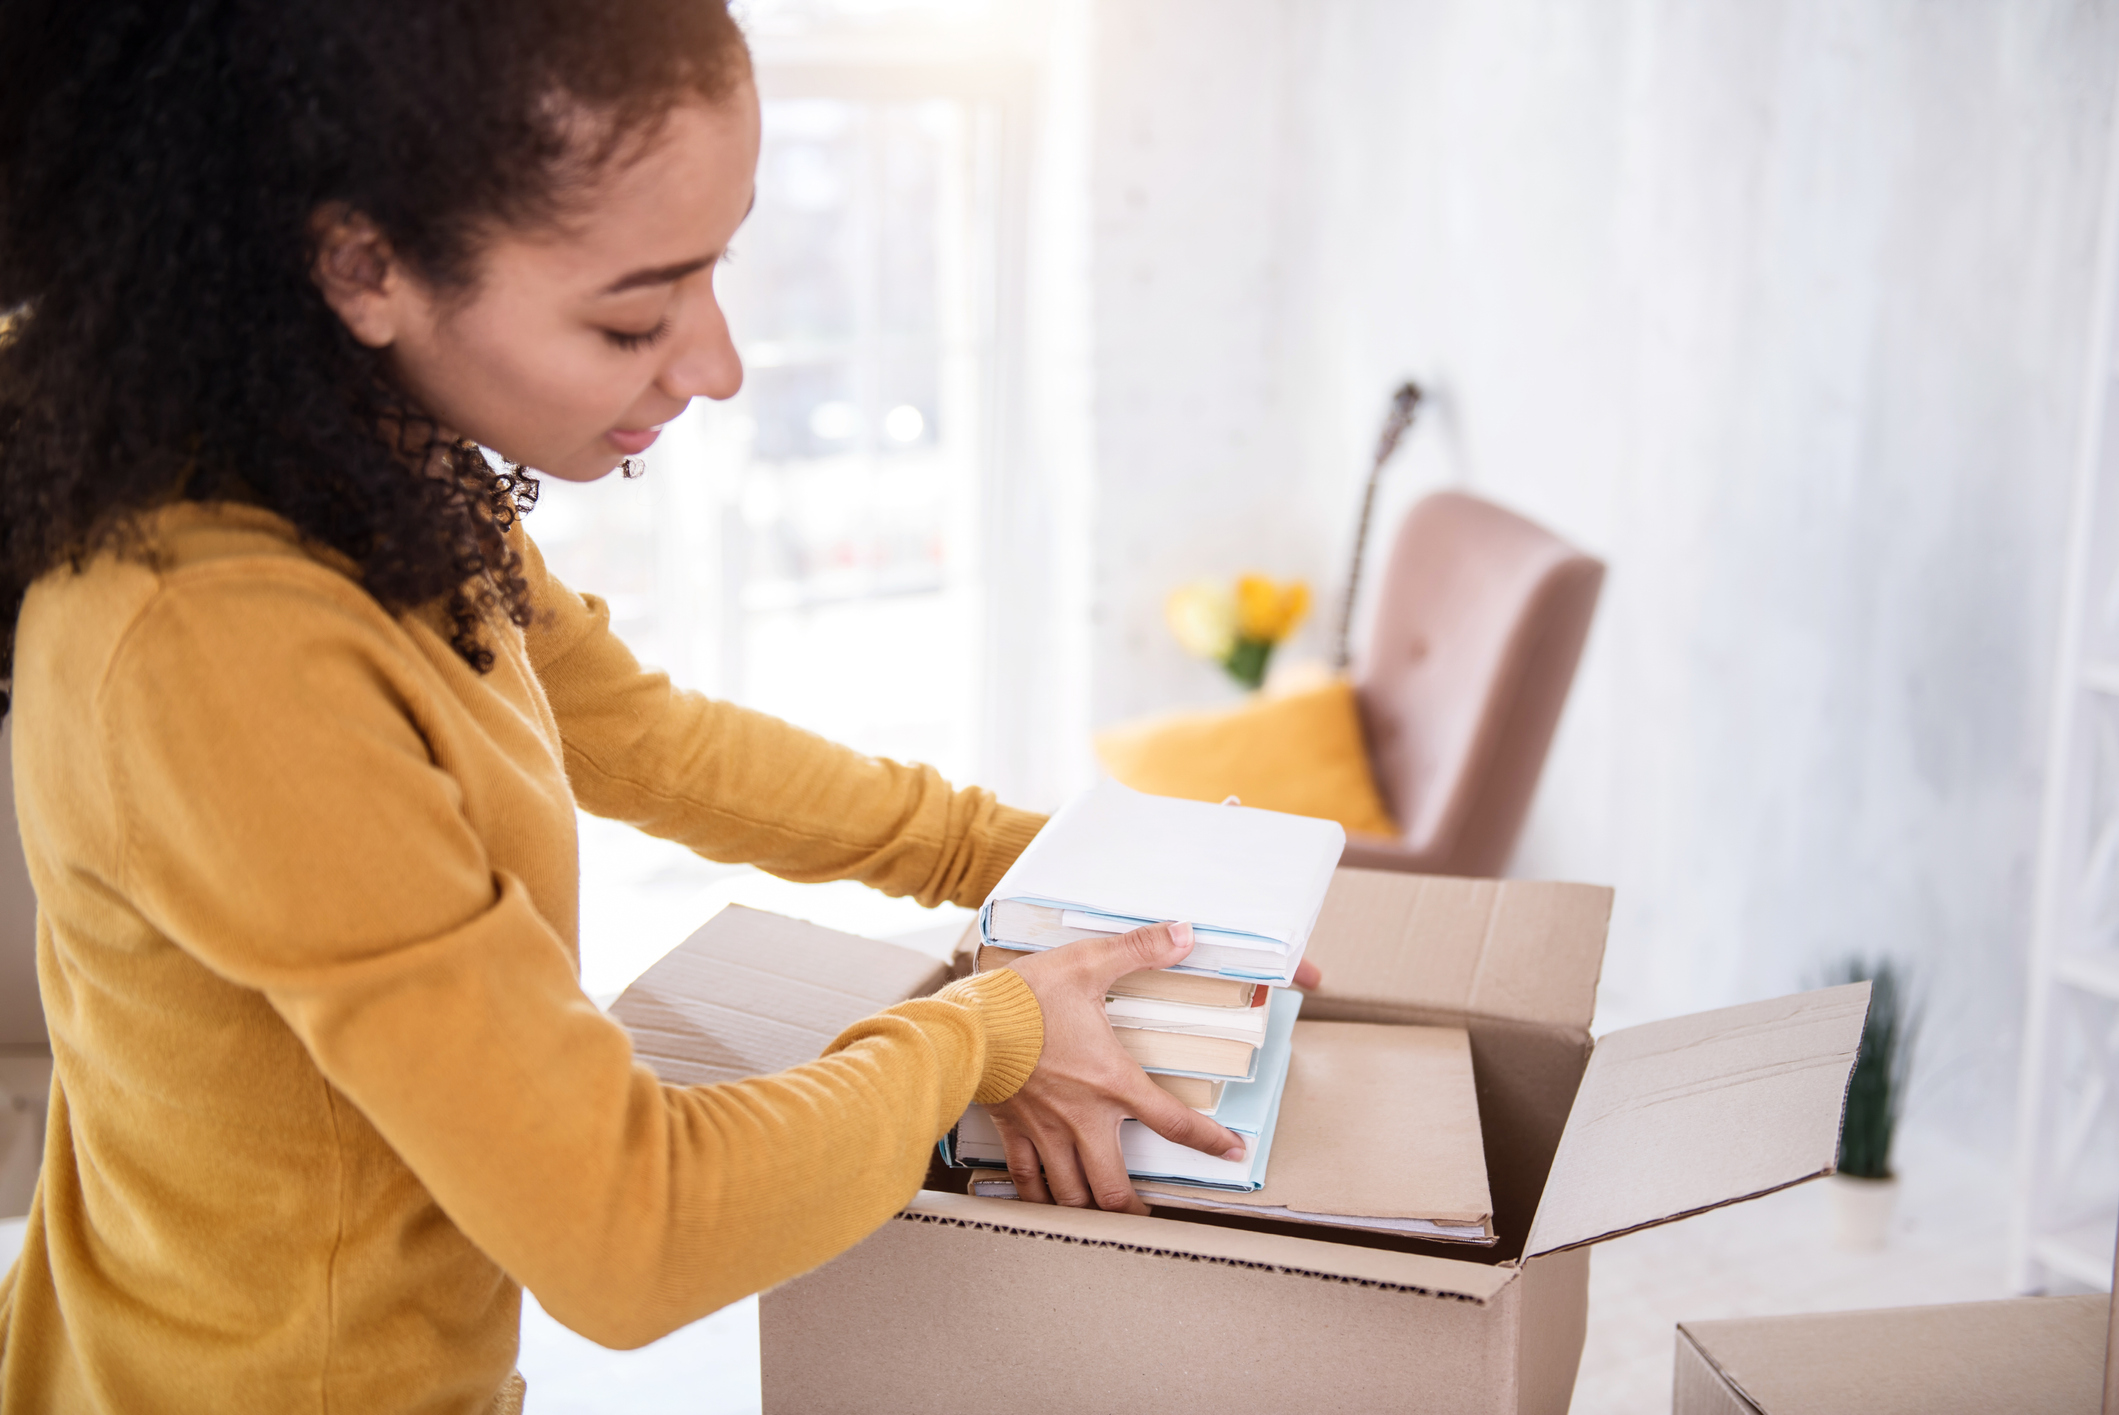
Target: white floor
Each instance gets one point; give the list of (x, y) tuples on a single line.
[(1776, 1255)]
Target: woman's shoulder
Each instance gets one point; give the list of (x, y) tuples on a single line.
[(206, 540), (202, 569)]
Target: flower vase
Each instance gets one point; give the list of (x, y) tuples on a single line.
[(1862, 1210)]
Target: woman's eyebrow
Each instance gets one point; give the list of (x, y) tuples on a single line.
[(657, 275), (670, 274)]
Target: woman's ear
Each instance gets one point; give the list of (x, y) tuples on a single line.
[(357, 273)]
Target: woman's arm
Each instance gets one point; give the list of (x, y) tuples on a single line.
[(303, 809), (738, 785)]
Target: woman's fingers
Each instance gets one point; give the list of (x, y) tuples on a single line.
[(1156, 946), (1023, 1165), (1105, 1169), (1063, 1171), (1161, 1112), (1080, 1170), (1308, 975)]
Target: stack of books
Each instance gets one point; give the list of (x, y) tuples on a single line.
[(1191, 1034), (1249, 1108), (1215, 1031), (1377, 1126)]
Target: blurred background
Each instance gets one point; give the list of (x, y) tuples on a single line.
[(1782, 312), (1792, 313)]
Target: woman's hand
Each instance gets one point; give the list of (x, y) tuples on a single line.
[(1067, 1113)]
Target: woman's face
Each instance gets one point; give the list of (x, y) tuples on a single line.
[(578, 341)]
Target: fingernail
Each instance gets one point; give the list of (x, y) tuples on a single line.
[(1233, 1155), (1181, 935)]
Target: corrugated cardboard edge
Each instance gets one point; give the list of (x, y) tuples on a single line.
[(1700, 1386), (1199, 1243)]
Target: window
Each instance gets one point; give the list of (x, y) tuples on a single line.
[(812, 547)]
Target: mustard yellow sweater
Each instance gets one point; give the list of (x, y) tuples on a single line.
[(327, 1092)]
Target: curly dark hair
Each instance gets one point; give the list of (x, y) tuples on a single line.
[(160, 336)]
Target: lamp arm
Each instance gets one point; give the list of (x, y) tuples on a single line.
[(1395, 422)]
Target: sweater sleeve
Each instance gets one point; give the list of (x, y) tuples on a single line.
[(740, 786), (285, 820)]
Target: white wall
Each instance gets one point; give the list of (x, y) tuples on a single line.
[(1778, 307), (1197, 168)]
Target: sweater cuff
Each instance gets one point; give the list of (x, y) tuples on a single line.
[(1014, 1027), (1006, 837)]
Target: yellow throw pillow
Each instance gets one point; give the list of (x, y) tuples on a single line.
[(1301, 753)]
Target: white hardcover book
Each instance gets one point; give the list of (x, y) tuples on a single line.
[(1013, 923), (1248, 881)]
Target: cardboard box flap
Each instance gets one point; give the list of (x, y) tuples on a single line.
[(1692, 1113), (1433, 945), (1195, 1242), (752, 993)]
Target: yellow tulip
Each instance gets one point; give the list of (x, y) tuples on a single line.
[(1269, 611), (1202, 615), (1298, 605)]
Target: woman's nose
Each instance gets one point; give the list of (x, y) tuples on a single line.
[(707, 366)]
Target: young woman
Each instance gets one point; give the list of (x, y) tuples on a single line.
[(301, 720)]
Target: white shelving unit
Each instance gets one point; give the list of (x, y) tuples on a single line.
[(2066, 1201)]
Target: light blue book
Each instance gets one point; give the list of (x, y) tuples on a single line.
[(1250, 1108)]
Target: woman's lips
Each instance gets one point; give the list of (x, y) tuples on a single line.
[(633, 441)]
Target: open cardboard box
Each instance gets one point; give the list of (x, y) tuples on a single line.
[(973, 1304), (2044, 1354), (2055, 1355)]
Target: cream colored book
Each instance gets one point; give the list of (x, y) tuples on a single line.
[(1172, 1051), (1197, 1092), (1236, 1024), (1218, 1041)]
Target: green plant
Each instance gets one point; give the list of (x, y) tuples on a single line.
[(1876, 1092)]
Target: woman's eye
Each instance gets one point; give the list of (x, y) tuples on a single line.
[(630, 340)]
